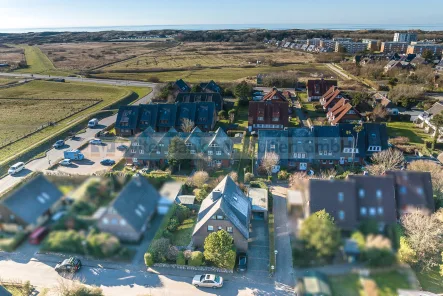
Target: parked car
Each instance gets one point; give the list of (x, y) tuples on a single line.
[(65, 162), (38, 235), (59, 144), (72, 265), (73, 154), (242, 262), (14, 169), (96, 142), (122, 147), (208, 281), (107, 161), (58, 215)]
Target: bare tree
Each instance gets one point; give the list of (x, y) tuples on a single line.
[(385, 161), (327, 174), (200, 178), (298, 181), (269, 161), (378, 113), (436, 174), (424, 234), (234, 176), (187, 125)]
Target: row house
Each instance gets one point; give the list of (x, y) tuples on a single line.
[(360, 198), (343, 112), (318, 87), (206, 97), (162, 117), (181, 86), (271, 112), (211, 87), (322, 146), (151, 148), (330, 98)]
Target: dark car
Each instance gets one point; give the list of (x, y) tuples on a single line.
[(122, 147), (59, 144), (242, 262), (107, 162), (71, 265)]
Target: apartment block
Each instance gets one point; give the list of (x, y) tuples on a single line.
[(420, 48), (405, 37), (372, 44), (397, 47), (328, 44), (351, 47)]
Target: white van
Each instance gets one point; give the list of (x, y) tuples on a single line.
[(93, 122), (16, 168)]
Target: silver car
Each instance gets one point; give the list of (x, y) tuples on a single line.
[(208, 281)]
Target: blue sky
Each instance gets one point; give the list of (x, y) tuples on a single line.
[(79, 13)]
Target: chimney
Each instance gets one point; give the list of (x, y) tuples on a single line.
[(216, 194)]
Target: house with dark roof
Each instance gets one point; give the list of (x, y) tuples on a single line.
[(166, 117), (148, 116), (353, 144), (228, 208), (376, 137), (211, 86), (128, 216), (343, 112), (127, 120), (150, 148), (335, 197), (376, 199), (181, 86), (214, 97), (327, 146), (413, 190), (318, 87), (30, 205), (301, 151), (205, 116), (272, 112)]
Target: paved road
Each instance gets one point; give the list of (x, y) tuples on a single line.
[(82, 79), (54, 155), (284, 270)]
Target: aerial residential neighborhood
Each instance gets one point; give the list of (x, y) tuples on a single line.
[(212, 159)]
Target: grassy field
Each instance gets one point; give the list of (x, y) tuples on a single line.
[(182, 236), (5, 81), (387, 282), (430, 281), (27, 114), (407, 129), (39, 63)]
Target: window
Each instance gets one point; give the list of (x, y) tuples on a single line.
[(218, 153), (220, 228), (372, 211), (420, 190), (142, 151), (363, 211), (192, 151), (161, 145), (378, 193), (210, 228), (361, 193), (341, 215), (220, 217), (323, 161), (229, 229), (275, 119), (214, 217), (158, 152), (320, 153), (114, 221), (331, 162), (272, 146), (166, 152), (349, 159), (341, 196), (210, 152), (380, 210), (133, 151), (105, 221), (260, 118), (403, 189)]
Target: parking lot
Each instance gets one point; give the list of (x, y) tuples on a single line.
[(93, 155)]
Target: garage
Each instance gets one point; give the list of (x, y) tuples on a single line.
[(259, 200)]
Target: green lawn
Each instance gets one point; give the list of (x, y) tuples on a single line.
[(27, 112), (39, 63), (387, 282), (407, 129), (5, 81), (311, 112), (430, 281), (242, 117), (182, 236)]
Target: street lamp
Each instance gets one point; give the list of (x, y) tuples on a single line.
[(84, 243), (275, 253), (272, 269)]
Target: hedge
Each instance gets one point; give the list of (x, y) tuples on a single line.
[(11, 244), (196, 259), (149, 259), (181, 260)]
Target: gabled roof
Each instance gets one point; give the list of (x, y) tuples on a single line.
[(205, 112), (127, 117), (185, 110), (230, 199), (201, 97), (273, 141), (274, 94), (319, 85), (376, 135), (33, 199), (167, 113), (148, 114), (182, 86), (136, 202), (413, 189), (331, 97), (437, 108), (222, 140), (211, 86), (327, 138), (349, 136)]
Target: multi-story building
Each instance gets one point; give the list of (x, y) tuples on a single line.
[(328, 44), (420, 48), (373, 44), (269, 113), (317, 88), (314, 41), (342, 39), (405, 37), (391, 47), (350, 47)]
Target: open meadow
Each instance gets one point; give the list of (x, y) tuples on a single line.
[(26, 107), (10, 55)]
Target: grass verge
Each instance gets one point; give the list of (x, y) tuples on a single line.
[(271, 241), (430, 281)]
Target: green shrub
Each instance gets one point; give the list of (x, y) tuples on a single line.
[(359, 238), (149, 259), (405, 253), (173, 224), (182, 213), (248, 177), (69, 241), (82, 207), (103, 245), (283, 175), (159, 249), (379, 257), (196, 259), (180, 259), (9, 244)]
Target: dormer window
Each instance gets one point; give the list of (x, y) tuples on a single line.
[(210, 152)]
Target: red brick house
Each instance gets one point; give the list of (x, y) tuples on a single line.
[(330, 98), (272, 112), (317, 88), (343, 112)]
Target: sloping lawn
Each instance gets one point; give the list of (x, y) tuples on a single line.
[(389, 282), (345, 285), (430, 281), (407, 129), (182, 236)]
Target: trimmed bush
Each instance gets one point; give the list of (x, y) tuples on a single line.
[(103, 244), (283, 175), (172, 253), (64, 241), (182, 213), (173, 224), (159, 249), (149, 259), (379, 257), (196, 259), (180, 259)]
